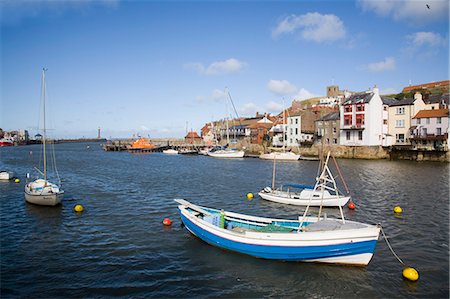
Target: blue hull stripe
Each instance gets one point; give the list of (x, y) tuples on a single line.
[(287, 253)]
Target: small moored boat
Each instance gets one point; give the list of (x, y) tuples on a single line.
[(170, 151), (6, 175), (308, 239)]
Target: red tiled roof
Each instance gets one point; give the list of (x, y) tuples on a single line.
[(426, 85), (192, 134), (432, 113)]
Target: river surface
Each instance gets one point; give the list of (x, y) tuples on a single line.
[(118, 246)]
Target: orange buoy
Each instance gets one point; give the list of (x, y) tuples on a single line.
[(167, 221), (351, 205)]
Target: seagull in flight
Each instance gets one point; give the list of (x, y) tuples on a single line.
[(428, 6)]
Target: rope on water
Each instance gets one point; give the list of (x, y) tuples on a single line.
[(390, 247)]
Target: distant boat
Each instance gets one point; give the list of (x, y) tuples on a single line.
[(286, 156), (306, 239), (6, 175), (6, 142), (140, 144), (170, 151), (187, 151), (227, 152), (325, 193), (41, 191)]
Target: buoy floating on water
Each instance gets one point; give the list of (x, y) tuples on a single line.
[(167, 222), (78, 208), (17, 180), (351, 205), (411, 274), (249, 196), (398, 210)]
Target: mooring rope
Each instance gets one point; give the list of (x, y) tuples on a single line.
[(390, 247)]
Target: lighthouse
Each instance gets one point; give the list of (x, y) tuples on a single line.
[(98, 135)]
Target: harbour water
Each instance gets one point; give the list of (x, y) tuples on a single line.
[(119, 247)]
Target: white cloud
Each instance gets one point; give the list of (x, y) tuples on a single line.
[(144, 128), (248, 109), (216, 95), (312, 27), (388, 64), (429, 39), (424, 44), (274, 107), (413, 11), (281, 87), (218, 67), (304, 94)]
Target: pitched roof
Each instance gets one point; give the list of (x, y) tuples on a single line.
[(192, 134), (388, 101), (402, 102), (330, 116), (431, 113), (436, 99), (359, 97)]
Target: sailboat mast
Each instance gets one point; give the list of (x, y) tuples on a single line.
[(44, 137), (228, 130), (284, 127)]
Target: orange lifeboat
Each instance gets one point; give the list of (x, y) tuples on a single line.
[(141, 143)]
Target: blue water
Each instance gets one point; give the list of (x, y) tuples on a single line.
[(119, 247)]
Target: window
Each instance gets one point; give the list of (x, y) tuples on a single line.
[(360, 135), (290, 140), (438, 120), (291, 131), (438, 131), (427, 120), (360, 107), (328, 140), (334, 130), (347, 108), (400, 110), (400, 123), (296, 121), (418, 121), (348, 135), (400, 138), (347, 120), (334, 141), (385, 108), (385, 122), (359, 120)]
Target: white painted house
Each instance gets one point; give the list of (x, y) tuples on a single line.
[(363, 120)]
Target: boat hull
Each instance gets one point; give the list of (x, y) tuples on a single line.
[(6, 175), (170, 152), (352, 247), (44, 199), (226, 154), (299, 200), (280, 156)]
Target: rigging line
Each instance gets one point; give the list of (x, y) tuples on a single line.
[(234, 108), (390, 247), (340, 174)]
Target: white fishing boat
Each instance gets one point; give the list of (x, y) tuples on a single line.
[(170, 151), (6, 175), (307, 239), (41, 191), (324, 194)]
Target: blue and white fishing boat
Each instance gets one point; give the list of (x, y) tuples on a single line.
[(307, 239)]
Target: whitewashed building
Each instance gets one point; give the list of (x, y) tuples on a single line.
[(364, 120)]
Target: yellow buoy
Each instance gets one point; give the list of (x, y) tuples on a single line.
[(17, 180), (249, 196), (78, 208), (410, 274), (398, 209)]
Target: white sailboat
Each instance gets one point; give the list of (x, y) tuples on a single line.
[(324, 194), (41, 191), (226, 152), (283, 155)]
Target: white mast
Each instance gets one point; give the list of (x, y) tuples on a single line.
[(228, 113), (44, 131)]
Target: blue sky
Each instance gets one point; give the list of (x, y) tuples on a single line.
[(151, 67)]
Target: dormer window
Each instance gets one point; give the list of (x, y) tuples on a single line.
[(347, 108)]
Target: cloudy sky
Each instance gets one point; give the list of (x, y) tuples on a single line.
[(156, 67)]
